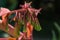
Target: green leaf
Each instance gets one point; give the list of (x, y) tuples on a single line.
[(37, 27), (24, 29), (7, 27), (18, 32), (54, 35), (21, 24)]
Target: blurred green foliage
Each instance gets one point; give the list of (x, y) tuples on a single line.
[(10, 4), (58, 29)]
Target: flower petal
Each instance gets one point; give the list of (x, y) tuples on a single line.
[(37, 11), (32, 10), (4, 11), (26, 5)]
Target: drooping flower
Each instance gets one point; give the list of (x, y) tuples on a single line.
[(26, 12), (29, 30)]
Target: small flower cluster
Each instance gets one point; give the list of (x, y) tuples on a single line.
[(25, 18)]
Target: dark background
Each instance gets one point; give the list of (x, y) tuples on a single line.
[(48, 18)]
